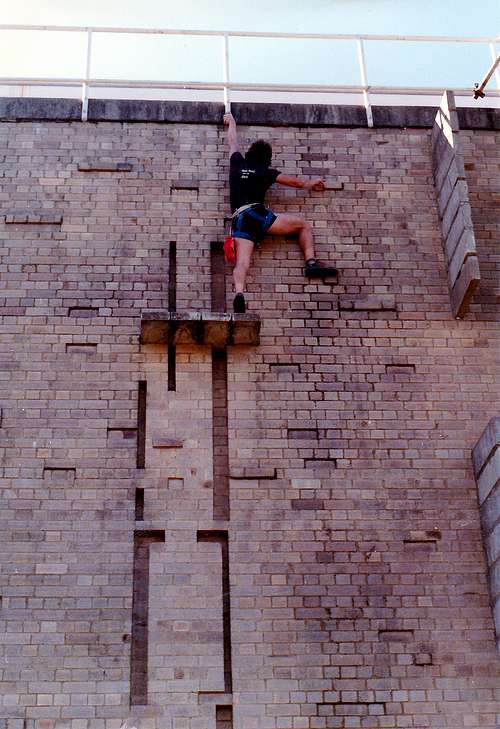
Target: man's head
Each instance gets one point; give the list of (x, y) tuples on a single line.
[(259, 154)]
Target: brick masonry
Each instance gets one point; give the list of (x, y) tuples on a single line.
[(358, 589)]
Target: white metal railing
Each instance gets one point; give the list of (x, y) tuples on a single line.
[(226, 86)]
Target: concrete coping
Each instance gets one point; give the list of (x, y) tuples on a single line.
[(199, 112), (215, 329)]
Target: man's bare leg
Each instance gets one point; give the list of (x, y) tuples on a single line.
[(244, 250), (286, 223)]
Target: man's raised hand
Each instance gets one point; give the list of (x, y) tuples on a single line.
[(232, 134)]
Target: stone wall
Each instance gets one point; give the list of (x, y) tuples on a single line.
[(333, 574)]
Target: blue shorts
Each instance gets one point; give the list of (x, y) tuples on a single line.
[(253, 223)]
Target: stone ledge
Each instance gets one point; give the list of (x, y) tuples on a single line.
[(137, 110), (17, 108), (209, 328), (200, 112)]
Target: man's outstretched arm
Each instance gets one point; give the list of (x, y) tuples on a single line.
[(290, 181), (232, 134)]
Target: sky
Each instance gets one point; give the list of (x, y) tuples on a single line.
[(415, 17), (162, 58)]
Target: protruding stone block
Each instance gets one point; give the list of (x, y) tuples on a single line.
[(490, 475), (454, 208), (489, 440), (216, 330), (155, 327), (465, 286), (486, 463), (185, 328), (209, 328), (245, 329), (465, 248)]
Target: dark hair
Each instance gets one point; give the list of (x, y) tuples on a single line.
[(260, 153)]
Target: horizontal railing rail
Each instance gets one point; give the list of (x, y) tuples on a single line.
[(364, 89)]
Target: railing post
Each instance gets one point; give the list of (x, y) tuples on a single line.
[(225, 71), (364, 84), (85, 85)]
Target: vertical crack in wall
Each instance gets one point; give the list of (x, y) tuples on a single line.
[(223, 717), (139, 504), (220, 443), (141, 423), (217, 276), (219, 392), (172, 306), (140, 611), (221, 537)]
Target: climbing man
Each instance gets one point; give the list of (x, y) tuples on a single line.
[(249, 179)]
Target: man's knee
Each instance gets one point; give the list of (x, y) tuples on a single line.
[(302, 224)]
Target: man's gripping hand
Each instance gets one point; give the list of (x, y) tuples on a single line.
[(317, 184), (232, 134)]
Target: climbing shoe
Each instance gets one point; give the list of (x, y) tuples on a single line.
[(318, 269), (239, 304)]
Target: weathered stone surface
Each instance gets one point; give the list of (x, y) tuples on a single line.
[(189, 112), (492, 543), (186, 328), (471, 118), (494, 585), (304, 114), (458, 203), (454, 208), (448, 189), (216, 329), (465, 248), (209, 328), (19, 109), (449, 173), (490, 439), (490, 510), (458, 230), (403, 116), (23, 108), (446, 119), (464, 288), (245, 329), (489, 476), (155, 328)]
